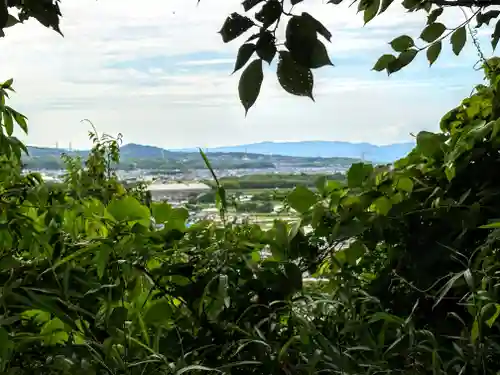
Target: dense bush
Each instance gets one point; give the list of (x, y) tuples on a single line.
[(408, 259)]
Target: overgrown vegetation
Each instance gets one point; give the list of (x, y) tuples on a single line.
[(408, 259)]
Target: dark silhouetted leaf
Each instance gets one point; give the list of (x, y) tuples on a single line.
[(294, 276), (434, 15), (432, 32), (458, 39), (318, 26), (383, 62), (234, 26), (244, 54), (294, 78), (250, 83), (320, 56), (485, 18), (301, 37), (495, 37), (402, 43), (249, 4), (269, 13), (433, 52), (265, 47), (4, 14), (294, 2)]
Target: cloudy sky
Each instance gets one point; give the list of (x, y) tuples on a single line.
[(159, 73)]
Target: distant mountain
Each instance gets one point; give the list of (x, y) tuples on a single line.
[(324, 149)]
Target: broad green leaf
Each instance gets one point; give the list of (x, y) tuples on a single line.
[(250, 83), (385, 4), (265, 47), (358, 174), (54, 332), (101, 259), (8, 122), (159, 312), (301, 199), (405, 58), (129, 209), (244, 54), (21, 121), (402, 43), (458, 39), (405, 184), (371, 10), (429, 143), (432, 32), (234, 26), (382, 205), (383, 62), (294, 78), (269, 14), (161, 212), (433, 52)]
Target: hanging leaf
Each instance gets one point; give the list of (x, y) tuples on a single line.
[(402, 43), (265, 47), (301, 37), (294, 276), (402, 60), (234, 26), (358, 173), (383, 62), (434, 15), (249, 4), (269, 14), (4, 14), (432, 32), (371, 11), (495, 37), (244, 54), (318, 26), (294, 78), (458, 39), (250, 84), (320, 56), (8, 122), (433, 52), (385, 4), (485, 18)]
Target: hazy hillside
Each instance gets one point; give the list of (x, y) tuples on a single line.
[(325, 149)]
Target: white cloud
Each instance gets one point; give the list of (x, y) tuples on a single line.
[(159, 73)]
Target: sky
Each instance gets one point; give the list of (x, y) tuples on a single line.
[(158, 73)]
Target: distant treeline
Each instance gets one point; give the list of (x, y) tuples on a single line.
[(273, 181)]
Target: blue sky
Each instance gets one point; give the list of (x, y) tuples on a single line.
[(160, 75)]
